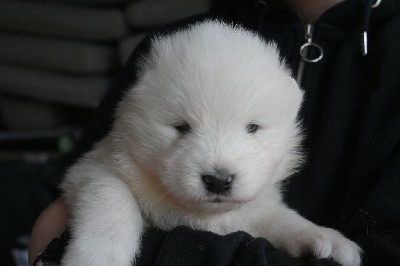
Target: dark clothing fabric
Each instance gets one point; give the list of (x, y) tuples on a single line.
[(351, 119), (199, 248)]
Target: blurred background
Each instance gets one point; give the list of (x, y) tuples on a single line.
[(58, 59)]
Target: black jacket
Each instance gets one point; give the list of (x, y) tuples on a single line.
[(351, 117)]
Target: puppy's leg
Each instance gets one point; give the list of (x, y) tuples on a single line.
[(106, 223), (289, 231)]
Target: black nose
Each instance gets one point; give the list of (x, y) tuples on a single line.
[(220, 182)]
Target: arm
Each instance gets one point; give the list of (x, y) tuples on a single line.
[(376, 222), (51, 223)]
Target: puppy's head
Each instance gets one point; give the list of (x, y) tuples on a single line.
[(213, 115)]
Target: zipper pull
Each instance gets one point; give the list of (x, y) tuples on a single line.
[(308, 36), (308, 33), (364, 43), (368, 6)]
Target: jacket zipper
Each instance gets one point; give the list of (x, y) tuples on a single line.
[(304, 52)]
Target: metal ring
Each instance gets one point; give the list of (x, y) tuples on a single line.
[(377, 3), (262, 5), (304, 49)]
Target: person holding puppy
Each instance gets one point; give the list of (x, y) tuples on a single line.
[(344, 55)]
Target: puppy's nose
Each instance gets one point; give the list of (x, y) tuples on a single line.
[(220, 182)]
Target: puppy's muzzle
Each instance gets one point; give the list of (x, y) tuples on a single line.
[(219, 182)]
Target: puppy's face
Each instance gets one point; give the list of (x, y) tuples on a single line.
[(216, 126)]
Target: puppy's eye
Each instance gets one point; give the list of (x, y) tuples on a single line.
[(252, 128), (183, 128)]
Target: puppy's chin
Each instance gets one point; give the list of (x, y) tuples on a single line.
[(213, 205), (219, 206)]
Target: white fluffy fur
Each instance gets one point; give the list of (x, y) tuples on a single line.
[(218, 78)]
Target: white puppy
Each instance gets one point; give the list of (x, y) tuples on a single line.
[(203, 139)]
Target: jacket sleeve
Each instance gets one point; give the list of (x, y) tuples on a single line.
[(185, 246), (378, 218), (373, 192)]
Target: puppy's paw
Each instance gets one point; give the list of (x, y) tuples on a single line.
[(326, 243)]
